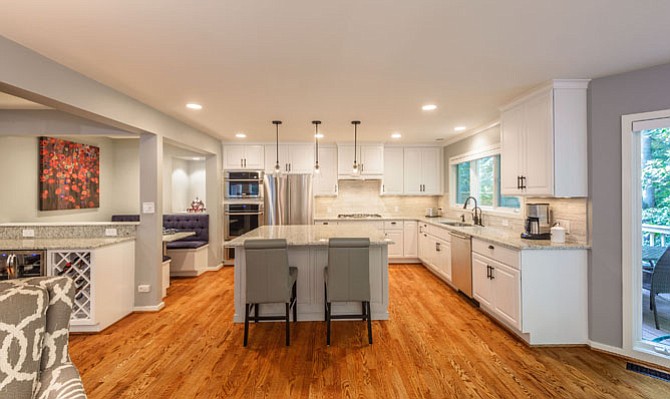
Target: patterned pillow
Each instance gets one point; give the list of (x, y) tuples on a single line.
[(22, 322)]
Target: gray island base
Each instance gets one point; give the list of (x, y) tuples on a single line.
[(308, 251)]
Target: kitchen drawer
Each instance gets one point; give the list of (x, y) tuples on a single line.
[(393, 225), (439, 232), (504, 255)]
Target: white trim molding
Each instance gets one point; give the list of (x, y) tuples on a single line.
[(631, 242), (153, 308)]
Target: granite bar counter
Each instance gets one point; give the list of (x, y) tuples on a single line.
[(308, 251), (60, 243)]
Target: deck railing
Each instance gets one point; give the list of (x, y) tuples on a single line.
[(655, 235)]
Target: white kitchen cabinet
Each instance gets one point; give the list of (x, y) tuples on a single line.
[(325, 182), (422, 171), (410, 238), (370, 159), (435, 250), (104, 279), (498, 287), (393, 171), (423, 243), (544, 142), (239, 156), (293, 158), (395, 250), (443, 258), (481, 284)]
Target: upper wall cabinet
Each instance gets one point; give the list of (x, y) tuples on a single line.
[(422, 171), (543, 142), (393, 171), (293, 158), (243, 156), (325, 182), (370, 158)]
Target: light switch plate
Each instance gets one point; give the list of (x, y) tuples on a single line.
[(143, 288), (148, 207)]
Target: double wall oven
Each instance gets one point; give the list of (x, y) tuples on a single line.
[(243, 209)]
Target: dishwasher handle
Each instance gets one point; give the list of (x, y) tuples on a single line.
[(459, 235)]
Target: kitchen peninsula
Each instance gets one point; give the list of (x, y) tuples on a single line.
[(308, 251)]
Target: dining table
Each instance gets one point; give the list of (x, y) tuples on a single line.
[(169, 236)]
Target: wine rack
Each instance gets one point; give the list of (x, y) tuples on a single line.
[(77, 266)]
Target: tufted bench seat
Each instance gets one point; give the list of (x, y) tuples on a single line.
[(189, 255)]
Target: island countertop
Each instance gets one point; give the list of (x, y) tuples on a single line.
[(311, 235), (60, 243)]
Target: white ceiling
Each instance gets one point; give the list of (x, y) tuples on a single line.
[(249, 62)]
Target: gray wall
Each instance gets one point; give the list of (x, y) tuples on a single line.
[(478, 141), (609, 98)]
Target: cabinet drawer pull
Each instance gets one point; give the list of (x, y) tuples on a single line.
[(393, 223), (491, 247), (325, 223), (488, 271), (492, 269)]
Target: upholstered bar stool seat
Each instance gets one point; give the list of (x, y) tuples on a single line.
[(347, 279), (270, 279)]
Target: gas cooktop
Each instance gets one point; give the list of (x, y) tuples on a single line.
[(358, 215)]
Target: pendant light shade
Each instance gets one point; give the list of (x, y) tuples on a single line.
[(355, 123), (316, 140), (277, 167)]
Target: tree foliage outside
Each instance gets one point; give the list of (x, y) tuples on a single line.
[(656, 177)]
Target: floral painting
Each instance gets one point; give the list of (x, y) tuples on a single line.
[(69, 175)]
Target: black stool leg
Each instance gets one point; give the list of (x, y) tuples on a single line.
[(246, 324), (328, 309), (256, 306), (364, 310), (295, 302), (288, 325), (369, 323), (325, 301)]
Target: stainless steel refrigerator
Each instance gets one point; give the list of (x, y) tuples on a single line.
[(288, 199)]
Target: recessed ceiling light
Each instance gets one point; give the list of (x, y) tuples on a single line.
[(197, 159), (396, 135), (429, 107), (459, 128), (193, 106), (319, 135), (240, 135)]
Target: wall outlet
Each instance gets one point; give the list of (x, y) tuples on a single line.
[(28, 233), (111, 232), (505, 222), (148, 207), (143, 288), (565, 224)]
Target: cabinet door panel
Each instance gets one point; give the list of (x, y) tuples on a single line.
[(372, 158), (412, 176), (393, 170), (481, 284), (539, 134), (345, 159), (443, 257), (410, 237), (271, 158), (254, 156), (511, 149), (233, 156), (507, 293), (325, 182), (301, 158), (431, 170), (395, 250)]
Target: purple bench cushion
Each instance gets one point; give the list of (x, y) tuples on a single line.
[(198, 223), (125, 218), (181, 244)]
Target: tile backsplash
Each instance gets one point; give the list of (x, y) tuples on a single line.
[(362, 196)]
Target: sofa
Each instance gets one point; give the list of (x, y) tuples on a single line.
[(34, 331)]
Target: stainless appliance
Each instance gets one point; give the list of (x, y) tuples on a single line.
[(432, 212), (288, 199), (243, 184), (461, 262), (538, 222), (240, 218), (19, 264)]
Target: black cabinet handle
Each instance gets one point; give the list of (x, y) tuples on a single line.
[(492, 269), (488, 271), (523, 182), (492, 247)]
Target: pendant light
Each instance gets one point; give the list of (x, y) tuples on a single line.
[(355, 123), (277, 167), (316, 139)]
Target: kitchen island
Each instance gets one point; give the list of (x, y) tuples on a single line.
[(308, 251)]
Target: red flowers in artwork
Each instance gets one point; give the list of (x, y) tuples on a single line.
[(69, 175)]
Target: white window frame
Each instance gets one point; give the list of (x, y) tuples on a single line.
[(631, 239), (489, 151)]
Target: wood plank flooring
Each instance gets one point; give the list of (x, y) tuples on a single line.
[(435, 345)]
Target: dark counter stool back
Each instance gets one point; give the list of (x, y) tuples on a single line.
[(270, 279), (347, 278)]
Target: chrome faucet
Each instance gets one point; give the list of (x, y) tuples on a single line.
[(476, 217)]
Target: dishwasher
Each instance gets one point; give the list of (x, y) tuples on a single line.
[(461, 262)]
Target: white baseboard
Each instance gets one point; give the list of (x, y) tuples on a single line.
[(154, 308), (215, 268)]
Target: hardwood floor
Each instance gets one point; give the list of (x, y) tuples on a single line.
[(435, 345)]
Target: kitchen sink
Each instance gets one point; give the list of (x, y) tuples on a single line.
[(457, 224)]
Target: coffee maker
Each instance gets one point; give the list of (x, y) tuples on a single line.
[(538, 222)]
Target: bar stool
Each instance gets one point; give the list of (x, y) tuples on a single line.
[(270, 279), (347, 279)]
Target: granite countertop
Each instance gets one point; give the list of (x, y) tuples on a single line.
[(60, 243), (504, 237), (311, 235)]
